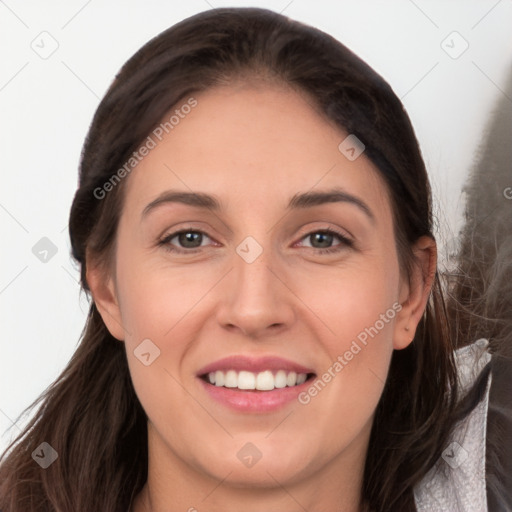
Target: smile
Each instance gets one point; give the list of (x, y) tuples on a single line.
[(266, 380), (262, 384)]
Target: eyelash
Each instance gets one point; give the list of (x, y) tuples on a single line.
[(345, 242)]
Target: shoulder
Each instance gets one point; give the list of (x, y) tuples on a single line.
[(458, 480)]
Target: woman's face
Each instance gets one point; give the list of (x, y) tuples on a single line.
[(251, 294)]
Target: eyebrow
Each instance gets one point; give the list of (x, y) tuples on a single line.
[(335, 195), (298, 201)]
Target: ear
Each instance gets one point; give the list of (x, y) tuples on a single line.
[(415, 292), (104, 294)]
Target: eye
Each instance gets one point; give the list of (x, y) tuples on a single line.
[(322, 241), (188, 240)]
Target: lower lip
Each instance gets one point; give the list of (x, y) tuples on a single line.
[(254, 401)]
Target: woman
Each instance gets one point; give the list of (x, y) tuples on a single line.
[(267, 328)]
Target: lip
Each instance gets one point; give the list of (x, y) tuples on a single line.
[(253, 401), (253, 364)]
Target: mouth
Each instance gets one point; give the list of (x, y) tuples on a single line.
[(266, 380), (249, 384)]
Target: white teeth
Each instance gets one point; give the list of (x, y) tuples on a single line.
[(219, 378), (231, 379), (291, 379), (280, 379), (246, 380), (262, 381), (265, 381)]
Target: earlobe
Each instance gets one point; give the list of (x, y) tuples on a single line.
[(104, 295), (416, 293)]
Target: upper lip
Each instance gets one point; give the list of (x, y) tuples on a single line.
[(253, 364)]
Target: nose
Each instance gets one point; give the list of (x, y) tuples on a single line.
[(256, 298)]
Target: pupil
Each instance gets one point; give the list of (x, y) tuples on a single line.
[(327, 239), (185, 238)]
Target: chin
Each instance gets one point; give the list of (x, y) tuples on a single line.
[(250, 467)]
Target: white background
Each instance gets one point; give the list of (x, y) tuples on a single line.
[(46, 106)]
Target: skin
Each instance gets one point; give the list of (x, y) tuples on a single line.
[(254, 147)]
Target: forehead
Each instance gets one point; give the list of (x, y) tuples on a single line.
[(256, 143)]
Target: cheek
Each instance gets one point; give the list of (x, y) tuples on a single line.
[(154, 298), (358, 310), (159, 304), (352, 300)]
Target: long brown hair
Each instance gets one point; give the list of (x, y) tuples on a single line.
[(91, 415)]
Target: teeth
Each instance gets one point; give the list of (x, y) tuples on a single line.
[(246, 380), (219, 378), (231, 379), (301, 378), (280, 379), (263, 381)]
